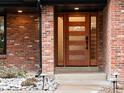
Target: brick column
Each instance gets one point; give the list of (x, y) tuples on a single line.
[(48, 39), (107, 38), (115, 37)]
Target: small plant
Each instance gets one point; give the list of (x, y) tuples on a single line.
[(11, 72), (29, 82), (22, 73), (9, 75)]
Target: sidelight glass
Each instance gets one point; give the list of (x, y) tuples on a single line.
[(93, 39), (60, 40)]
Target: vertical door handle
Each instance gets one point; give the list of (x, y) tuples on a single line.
[(86, 42)]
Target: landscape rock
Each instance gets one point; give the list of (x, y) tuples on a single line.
[(49, 83)]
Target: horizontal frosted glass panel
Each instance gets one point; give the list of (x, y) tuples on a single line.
[(76, 57), (80, 47), (76, 38), (76, 28), (75, 19)]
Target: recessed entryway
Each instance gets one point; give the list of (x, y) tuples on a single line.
[(76, 35)]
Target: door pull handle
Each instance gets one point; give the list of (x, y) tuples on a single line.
[(86, 42)]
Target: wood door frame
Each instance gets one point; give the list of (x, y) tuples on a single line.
[(64, 15)]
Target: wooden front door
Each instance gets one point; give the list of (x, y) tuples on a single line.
[(77, 40)]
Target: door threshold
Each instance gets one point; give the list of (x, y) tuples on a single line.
[(76, 69)]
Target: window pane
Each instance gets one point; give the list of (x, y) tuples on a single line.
[(60, 41), (93, 22), (93, 38), (2, 38)]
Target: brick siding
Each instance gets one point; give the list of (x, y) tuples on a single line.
[(22, 41)]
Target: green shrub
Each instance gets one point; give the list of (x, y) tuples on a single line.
[(22, 73)]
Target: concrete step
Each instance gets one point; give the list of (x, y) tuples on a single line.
[(75, 69), (81, 82), (82, 78)]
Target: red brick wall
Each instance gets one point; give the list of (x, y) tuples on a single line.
[(48, 39), (22, 41), (114, 37)]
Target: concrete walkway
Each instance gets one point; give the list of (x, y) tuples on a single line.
[(76, 83), (80, 88)]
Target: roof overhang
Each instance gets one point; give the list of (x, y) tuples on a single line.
[(56, 2), (48, 2), (60, 5), (68, 5), (18, 3)]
